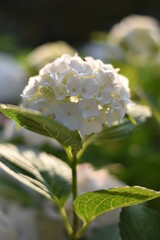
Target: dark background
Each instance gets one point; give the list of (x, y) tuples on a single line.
[(35, 22)]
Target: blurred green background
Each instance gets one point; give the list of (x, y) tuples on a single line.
[(86, 27)]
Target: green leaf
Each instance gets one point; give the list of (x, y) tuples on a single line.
[(44, 173), (13, 191), (109, 134), (139, 222), (92, 204), (35, 122)]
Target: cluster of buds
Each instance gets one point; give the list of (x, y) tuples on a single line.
[(82, 94)]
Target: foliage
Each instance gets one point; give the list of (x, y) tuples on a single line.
[(92, 204), (139, 222), (48, 176), (35, 122)]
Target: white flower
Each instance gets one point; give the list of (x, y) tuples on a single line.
[(82, 95), (59, 66), (73, 85), (105, 78), (60, 91), (69, 114), (80, 67), (115, 115), (89, 108), (121, 91), (41, 106), (31, 91), (88, 88), (32, 87), (91, 125), (106, 84)]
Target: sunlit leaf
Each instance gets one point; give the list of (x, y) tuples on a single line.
[(139, 222), (44, 173), (35, 122), (92, 204)]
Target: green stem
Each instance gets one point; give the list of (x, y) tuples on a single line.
[(65, 221), (72, 156), (74, 192), (81, 231), (64, 218)]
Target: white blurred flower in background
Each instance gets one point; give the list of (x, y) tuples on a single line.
[(138, 35), (48, 52), (12, 79), (106, 51), (90, 179)]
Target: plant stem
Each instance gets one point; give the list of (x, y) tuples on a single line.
[(64, 218), (74, 192), (81, 231), (72, 156), (65, 221)]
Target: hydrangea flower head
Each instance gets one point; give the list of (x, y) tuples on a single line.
[(82, 94)]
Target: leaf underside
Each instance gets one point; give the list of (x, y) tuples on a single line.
[(44, 173), (35, 122)]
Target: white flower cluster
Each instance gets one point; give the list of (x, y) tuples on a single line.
[(138, 33), (81, 94)]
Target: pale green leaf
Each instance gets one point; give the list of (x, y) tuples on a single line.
[(35, 122), (92, 204), (44, 173), (139, 222)]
